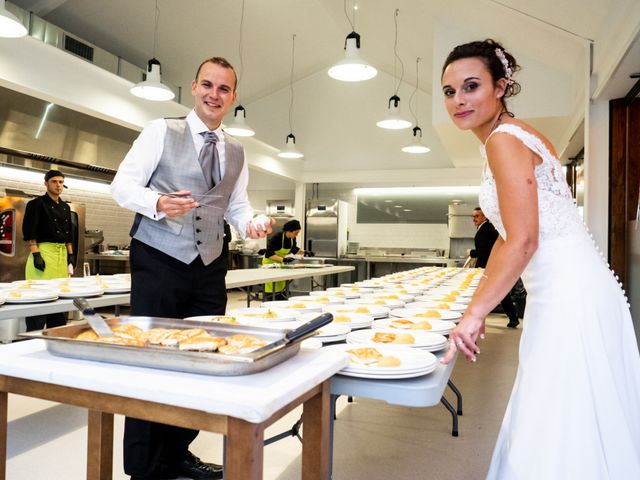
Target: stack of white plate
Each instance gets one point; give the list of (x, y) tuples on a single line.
[(28, 295), (323, 299), (376, 311), (352, 320), (411, 324), (431, 342), (456, 307), (413, 363), (426, 313), (376, 301), (264, 315), (334, 332), (301, 306)]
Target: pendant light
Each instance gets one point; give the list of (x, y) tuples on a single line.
[(239, 127), (394, 121), (290, 150), (352, 68), (10, 26), (416, 146), (152, 88)]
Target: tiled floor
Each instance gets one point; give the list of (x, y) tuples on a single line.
[(374, 440)]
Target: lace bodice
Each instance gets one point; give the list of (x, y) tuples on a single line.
[(558, 215)]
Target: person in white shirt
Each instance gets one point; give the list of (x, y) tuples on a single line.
[(185, 178)]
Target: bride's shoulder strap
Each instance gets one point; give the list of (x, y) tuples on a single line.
[(533, 142)]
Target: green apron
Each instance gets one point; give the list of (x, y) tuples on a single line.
[(55, 262), (276, 287)]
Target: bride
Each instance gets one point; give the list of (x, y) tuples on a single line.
[(574, 411)]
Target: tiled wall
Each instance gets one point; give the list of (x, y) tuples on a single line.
[(102, 212)]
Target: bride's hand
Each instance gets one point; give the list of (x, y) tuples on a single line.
[(463, 338)]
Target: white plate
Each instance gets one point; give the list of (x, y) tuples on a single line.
[(213, 319), (376, 311), (117, 288), (75, 292), (413, 361), (344, 293), (334, 329), (439, 298), (355, 320), (385, 376), (323, 299), (290, 304), (30, 295), (259, 314), (376, 301), (451, 291), (358, 290), (1, 300), (456, 307), (424, 340), (420, 313), (403, 297), (443, 327)]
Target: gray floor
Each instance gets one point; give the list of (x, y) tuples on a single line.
[(373, 440)]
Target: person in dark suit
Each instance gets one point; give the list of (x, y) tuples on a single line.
[(486, 236)]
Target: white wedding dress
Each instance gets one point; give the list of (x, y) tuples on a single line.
[(574, 412)]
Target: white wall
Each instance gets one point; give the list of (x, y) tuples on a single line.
[(407, 235)]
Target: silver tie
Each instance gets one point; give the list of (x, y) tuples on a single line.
[(208, 158)]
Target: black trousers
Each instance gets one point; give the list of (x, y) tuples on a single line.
[(38, 322), (162, 286), (509, 308)]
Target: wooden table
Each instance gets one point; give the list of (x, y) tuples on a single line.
[(239, 407)]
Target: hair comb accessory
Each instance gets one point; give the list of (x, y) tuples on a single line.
[(505, 63)]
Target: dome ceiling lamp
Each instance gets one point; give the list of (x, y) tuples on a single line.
[(352, 68), (290, 150), (240, 127), (152, 88), (416, 146), (10, 26), (394, 120)]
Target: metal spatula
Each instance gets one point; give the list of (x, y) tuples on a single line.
[(95, 321)]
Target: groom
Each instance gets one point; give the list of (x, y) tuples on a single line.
[(486, 236)]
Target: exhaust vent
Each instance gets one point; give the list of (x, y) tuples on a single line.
[(78, 48)]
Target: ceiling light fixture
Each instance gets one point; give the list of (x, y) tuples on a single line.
[(290, 150), (10, 26), (239, 127), (152, 88), (394, 120), (416, 146), (352, 68)]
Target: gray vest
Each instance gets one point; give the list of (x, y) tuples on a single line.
[(201, 231)]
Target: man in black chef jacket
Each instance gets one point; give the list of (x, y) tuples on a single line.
[(47, 228), (486, 236)]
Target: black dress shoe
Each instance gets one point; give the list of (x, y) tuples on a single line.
[(513, 324), (194, 468)]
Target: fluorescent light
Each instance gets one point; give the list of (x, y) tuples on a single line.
[(10, 26), (406, 191), (43, 119)]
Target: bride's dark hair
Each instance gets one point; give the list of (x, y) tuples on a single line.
[(499, 62)]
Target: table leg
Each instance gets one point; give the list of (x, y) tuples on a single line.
[(454, 416), (244, 450), (3, 434), (100, 446), (315, 447)]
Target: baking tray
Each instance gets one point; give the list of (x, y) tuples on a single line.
[(283, 344)]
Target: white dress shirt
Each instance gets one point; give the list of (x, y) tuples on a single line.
[(129, 187)]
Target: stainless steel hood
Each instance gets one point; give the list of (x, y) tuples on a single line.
[(34, 133)]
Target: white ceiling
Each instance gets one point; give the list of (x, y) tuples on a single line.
[(334, 122)]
